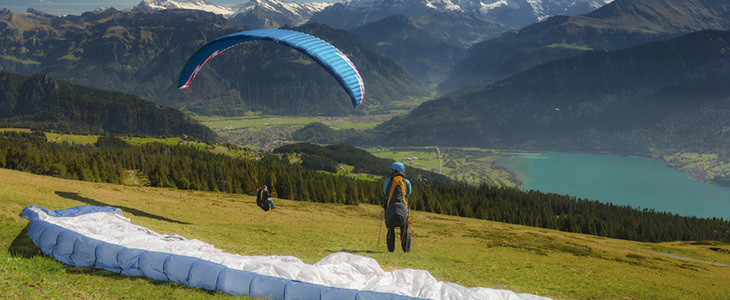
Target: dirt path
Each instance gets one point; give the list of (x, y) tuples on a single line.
[(689, 258)]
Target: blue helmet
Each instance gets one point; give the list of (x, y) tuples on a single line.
[(398, 167)]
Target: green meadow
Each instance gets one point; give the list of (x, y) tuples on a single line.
[(470, 165), (468, 252), (264, 132), (261, 122), (704, 167), (136, 141)]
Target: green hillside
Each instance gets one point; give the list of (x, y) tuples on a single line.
[(187, 167), (468, 252), (330, 158), (40, 101)]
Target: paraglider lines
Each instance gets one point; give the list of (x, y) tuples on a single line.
[(199, 101), (245, 161)]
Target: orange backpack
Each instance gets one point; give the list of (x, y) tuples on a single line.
[(396, 207)]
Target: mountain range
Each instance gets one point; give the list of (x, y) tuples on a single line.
[(515, 13), (202, 5), (274, 14), (660, 96), (142, 52), (632, 74), (354, 13), (251, 14), (449, 27), (620, 24)]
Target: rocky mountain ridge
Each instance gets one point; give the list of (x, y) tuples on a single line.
[(514, 13), (620, 24)]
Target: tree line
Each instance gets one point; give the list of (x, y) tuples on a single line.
[(187, 167)]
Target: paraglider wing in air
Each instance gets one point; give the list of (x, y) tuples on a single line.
[(320, 51)]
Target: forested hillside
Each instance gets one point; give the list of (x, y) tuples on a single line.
[(327, 158), (185, 167), (40, 101)]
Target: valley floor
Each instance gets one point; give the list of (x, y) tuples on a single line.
[(470, 165)]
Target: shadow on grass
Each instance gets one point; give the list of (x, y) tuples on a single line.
[(136, 212), (23, 246), (354, 251), (91, 271)]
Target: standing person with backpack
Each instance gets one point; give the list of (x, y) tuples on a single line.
[(397, 189)]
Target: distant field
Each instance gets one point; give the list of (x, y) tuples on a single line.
[(704, 167), (473, 166), (258, 122), (71, 138), (15, 129), (132, 140), (468, 252), (269, 132), (470, 165)]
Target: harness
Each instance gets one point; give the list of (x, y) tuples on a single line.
[(396, 207), (397, 189)]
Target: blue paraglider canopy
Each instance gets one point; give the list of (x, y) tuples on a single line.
[(320, 51)]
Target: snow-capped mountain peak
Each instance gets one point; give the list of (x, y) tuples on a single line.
[(517, 13), (254, 13), (184, 4), (274, 13), (281, 6)]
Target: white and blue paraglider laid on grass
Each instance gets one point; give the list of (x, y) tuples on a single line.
[(101, 237), (326, 55)]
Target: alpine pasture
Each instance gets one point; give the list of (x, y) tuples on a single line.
[(468, 252)]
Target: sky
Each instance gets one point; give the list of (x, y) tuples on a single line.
[(77, 7)]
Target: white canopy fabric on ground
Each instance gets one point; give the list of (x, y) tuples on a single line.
[(101, 237)]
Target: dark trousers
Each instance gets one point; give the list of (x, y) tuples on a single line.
[(405, 238)]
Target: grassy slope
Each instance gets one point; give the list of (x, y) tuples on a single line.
[(465, 251)]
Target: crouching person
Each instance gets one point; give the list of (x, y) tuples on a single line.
[(263, 199)]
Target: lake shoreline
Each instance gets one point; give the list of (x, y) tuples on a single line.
[(695, 173), (638, 181)]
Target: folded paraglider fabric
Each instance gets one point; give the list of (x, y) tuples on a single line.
[(101, 237)]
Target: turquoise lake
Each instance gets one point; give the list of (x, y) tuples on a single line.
[(638, 182)]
